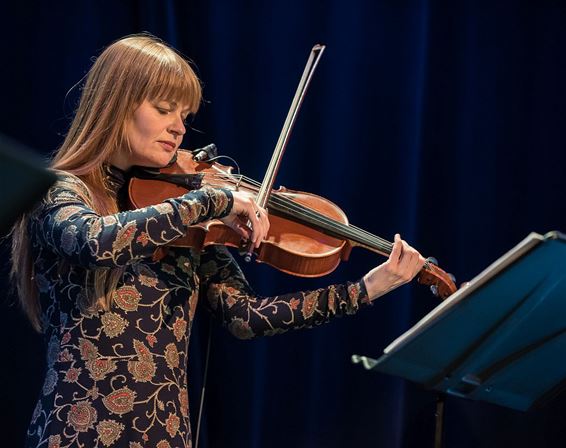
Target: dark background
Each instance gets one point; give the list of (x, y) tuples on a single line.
[(443, 121)]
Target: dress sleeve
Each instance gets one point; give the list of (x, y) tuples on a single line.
[(66, 225), (246, 315)]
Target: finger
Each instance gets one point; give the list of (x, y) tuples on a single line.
[(397, 250), (410, 260), (259, 225), (242, 230), (417, 264), (250, 211), (264, 223)]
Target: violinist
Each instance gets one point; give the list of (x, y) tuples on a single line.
[(116, 318)]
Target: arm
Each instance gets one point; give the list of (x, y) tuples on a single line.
[(246, 315), (66, 225)]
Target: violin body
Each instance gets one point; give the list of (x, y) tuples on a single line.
[(308, 236), (290, 246)]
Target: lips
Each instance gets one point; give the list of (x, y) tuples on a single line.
[(168, 145)]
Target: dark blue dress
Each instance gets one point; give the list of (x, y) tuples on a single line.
[(118, 378)]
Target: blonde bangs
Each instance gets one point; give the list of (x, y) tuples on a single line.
[(175, 82)]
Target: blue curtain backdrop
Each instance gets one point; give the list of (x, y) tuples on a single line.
[(442, 121)]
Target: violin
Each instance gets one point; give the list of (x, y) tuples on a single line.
[(308, 235)]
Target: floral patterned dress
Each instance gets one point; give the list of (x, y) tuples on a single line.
[(118, 378)]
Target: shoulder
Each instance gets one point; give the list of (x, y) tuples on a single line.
[(68, 187)]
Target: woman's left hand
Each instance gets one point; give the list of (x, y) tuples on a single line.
[(403, 265)]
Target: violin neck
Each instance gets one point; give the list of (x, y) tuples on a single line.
[(329, 226)]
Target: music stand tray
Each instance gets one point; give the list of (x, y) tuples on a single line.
[(502, 339)]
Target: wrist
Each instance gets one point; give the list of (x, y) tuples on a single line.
[(223, 201), (375, 286)]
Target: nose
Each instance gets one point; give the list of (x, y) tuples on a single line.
[(177, 126)]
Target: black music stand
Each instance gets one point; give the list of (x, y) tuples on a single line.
[(501, 339), (23, 181)]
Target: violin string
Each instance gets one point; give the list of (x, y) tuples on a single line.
[(299, 208), (348, 228), (314, 217), (290, 206), (294, 208)]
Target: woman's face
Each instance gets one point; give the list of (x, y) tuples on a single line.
[(154, 134)]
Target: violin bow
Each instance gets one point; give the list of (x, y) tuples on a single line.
[(273, 167)]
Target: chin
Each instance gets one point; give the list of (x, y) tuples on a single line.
[(159, 162)]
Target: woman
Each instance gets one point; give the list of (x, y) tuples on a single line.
[(116, 316)]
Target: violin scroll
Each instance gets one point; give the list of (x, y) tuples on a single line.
[(441, 283)]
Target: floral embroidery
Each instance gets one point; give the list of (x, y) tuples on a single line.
[(69, 239), (146, 276), (144, 369), (109, 220), (93, 393), (180, 328), (163, 209), (94, 229), (151, 339), (36, 412), (120, 401), (143, 239), (183, 263), (189, 211), (172, 424), (163, 444), (172, 356), (184, 402), (54, 441), (42, 283), (72, 375), (88, 350), (168, 269), (127, 298), (82, 416), (309, 305), (112, 324), (124, 237), (100, 367), (66, 338), (241, 329), (109, 431), (52, 350), (332, 299), (50, 382), (193, 301), (65, 213)]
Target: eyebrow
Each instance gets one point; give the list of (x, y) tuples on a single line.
[(174, 105)]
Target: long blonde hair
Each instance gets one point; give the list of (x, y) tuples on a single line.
[(130, 70)]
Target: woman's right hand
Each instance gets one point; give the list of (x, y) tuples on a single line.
[(247, 218)]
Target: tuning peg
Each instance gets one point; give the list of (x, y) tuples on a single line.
[(434, 290), (452, 276)]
